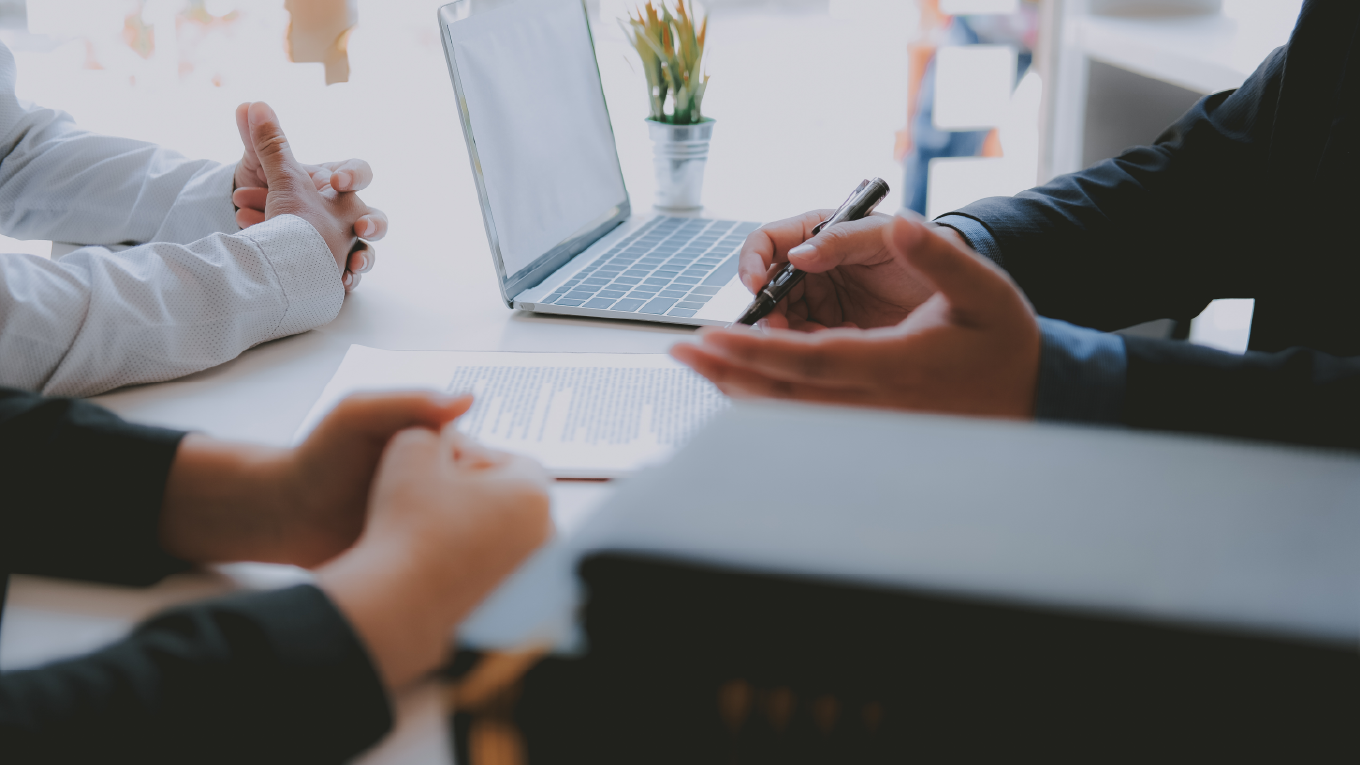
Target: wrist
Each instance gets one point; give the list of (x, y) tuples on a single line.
[(223, 502), (393, 606)]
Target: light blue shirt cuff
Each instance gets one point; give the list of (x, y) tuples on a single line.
[(1082, 374), (976, 234)]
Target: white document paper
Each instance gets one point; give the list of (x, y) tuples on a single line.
[(583, 415)]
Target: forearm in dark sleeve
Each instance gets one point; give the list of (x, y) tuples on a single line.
[(82, 491), (1299, 396), (257, 677), (1157, 232)]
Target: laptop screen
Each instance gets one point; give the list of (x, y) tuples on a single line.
[(538, 129)]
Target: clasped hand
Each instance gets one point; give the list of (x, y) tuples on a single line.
[(271, 182), (894, 313), (408, 523)]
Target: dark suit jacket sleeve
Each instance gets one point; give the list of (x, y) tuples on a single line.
[(256, 677), (1157, 232), (82, 491), (265, 677), (1300, 395), (1161, 230)]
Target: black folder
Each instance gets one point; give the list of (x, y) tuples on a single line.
[(689, 663)]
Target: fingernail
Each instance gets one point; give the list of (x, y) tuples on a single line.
[(346, 179), (347, 279), (802, 251), (369, 228)]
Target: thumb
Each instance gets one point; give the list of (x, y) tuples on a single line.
[(271, 146), (843, 244), (379, 415), (243, 127), (977, 291)]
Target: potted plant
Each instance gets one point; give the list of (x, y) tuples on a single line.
[(671, 47)]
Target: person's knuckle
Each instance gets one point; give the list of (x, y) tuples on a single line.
[(271, 143)]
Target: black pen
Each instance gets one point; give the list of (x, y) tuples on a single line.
[(862, 201)]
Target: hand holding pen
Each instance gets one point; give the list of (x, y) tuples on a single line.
[(860, 203), (853, 279)]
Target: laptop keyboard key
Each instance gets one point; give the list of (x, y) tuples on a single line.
[(667, 256), (722, 274), (658, 306)]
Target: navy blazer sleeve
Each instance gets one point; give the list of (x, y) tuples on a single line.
[(1157, 232), (254, 677), (1242, 197)]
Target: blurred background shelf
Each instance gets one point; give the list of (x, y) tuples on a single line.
[(1152, 67)]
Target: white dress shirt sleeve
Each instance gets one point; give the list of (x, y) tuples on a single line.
[(62, 183), (194, 293), (97, 320)]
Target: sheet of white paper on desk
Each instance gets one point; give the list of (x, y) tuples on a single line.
[(583, 415), (1152, 526)]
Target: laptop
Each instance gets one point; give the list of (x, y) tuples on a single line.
[(558, 219)]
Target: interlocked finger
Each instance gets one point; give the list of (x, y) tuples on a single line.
[(362, 258)]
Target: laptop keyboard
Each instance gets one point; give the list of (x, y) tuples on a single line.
[(671, 266)]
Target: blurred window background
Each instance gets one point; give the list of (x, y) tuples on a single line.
[(956, 99)]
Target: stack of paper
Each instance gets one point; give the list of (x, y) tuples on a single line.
[(583, 415)]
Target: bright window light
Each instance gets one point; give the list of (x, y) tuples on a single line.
[(960, 7)]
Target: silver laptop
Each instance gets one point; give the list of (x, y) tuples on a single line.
[(557, 215)]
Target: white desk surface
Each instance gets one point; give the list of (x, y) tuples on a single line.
[(1204, 54), (785, 83)]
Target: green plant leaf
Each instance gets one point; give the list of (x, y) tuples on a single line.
[(672, 55)]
